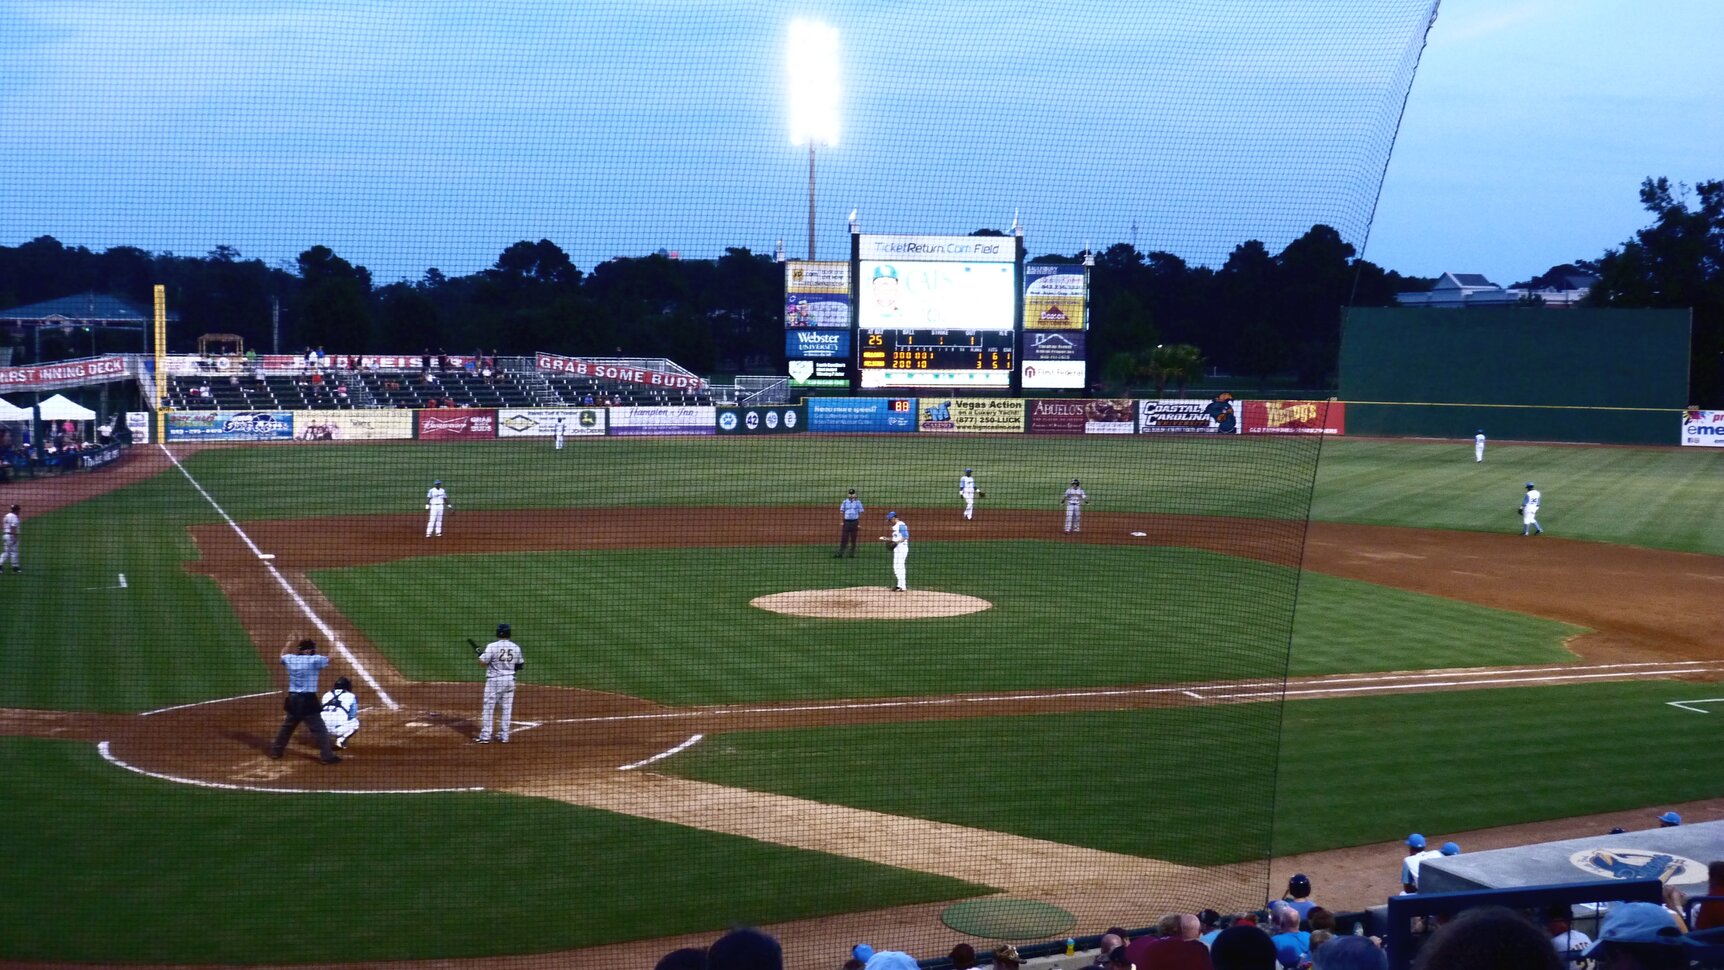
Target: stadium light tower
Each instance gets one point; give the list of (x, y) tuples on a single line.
[(811, 82)]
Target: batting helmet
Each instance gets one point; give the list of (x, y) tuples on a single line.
[(502, 629)]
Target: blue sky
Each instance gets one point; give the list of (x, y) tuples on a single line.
[(430, 133)]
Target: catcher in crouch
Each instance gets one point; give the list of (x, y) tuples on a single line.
[(341, 712)]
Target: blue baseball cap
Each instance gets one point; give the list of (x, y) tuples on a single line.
[(1638, 923), (1415, 841), (862, 951), (891, 515), (1529, 485), (1450, 848), (1670, 818), (437, 482)]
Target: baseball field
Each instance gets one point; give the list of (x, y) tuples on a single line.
[(1255, 649)]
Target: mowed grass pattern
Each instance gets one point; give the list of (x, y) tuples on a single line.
[(186, 875), (1168, 784), (667, 626)]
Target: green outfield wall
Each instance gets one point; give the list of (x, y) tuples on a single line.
[(1527, 373)]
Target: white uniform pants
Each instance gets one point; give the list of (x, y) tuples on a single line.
[(338, 725), (559, 441), (1074, 517), (1478, 451), (497, 689), (9, 553), (434, 522), (969, 503), (1529, 521), (900, 553)]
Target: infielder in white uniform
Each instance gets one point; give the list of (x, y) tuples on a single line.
[(1075, 498), (341, 712), (559, 433), (1529, 513), (500, 658), (436, 500), (1479, 446), (967, 491), (9, 541), (899, 536)]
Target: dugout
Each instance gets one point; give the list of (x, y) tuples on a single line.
[(1525, 373)]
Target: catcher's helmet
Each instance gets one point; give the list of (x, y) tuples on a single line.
[(502, 629), (342, 683)]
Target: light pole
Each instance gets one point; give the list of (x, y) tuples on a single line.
[(811, 84)]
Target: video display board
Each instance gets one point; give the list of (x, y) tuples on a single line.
[(936, 358)]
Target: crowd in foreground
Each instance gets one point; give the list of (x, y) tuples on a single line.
[(1294, 933)]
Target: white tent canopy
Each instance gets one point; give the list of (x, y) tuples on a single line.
[(61, 408), (9, 412)]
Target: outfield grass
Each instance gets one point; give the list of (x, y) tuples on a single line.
[(676, 625), (1195, 785), (114, 867), (1664, 498)]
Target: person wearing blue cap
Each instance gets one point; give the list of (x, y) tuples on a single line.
[(899, 537), (1479, 446), (967, 492), (1416, 854), (1529, 512), (1669, 820), (436, 500), (1639, 935), (1450, 848)]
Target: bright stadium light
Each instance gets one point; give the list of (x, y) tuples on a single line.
[(812, 88)]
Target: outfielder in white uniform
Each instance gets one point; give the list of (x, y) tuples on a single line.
[(1074, 499), (436, 500), (1529, 513), (9, 541), (559, 433), (899, 536), (1479, 446), (967, 491), (341, 712), (500, 658)]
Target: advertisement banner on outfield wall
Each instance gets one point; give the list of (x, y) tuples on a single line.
[(542, 422), (840, 415), (1071, 416), (141, 424), (608, 371), (680, 419), (1293, 417), (379, 424), (1219, 414), (230, 426), (1703, 429), (985, 415), (457, 424), (772, 419)]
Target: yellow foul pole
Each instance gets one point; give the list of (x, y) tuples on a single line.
[(161, 342)]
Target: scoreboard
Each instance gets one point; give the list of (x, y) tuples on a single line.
[(936, 358)]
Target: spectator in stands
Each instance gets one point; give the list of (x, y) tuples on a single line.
[(1350, 953), (1298, 894), (1676, 903), (587, 399), (1320, 919), (1568, 942), (1241, 947), (1705, 916), (745, 950), (1489, 938), (1318, 938), (1288, 933), (1210, 921), (442, 359), (1168, 948), (687, 958), (963, 956), (322, 358), (310, 359), (1416, 854), (1639, 936), (425, 360), (1109, 942), (316, 379), (1006, 957)]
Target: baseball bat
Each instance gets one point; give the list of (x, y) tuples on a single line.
[(476, 648)]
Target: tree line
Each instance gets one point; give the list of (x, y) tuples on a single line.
[(1154, 317)]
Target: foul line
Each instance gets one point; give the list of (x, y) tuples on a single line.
[(304, 607), (218, 700), (691, 742), (109, 756), (1698, 700), (1204, 692)]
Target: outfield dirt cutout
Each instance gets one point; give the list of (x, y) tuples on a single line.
[(870, 603)]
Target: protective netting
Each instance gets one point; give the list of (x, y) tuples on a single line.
[(724, 716)]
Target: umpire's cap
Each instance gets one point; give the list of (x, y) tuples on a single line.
[(502, 629)]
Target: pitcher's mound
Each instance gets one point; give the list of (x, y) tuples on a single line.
[(870, 603)]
